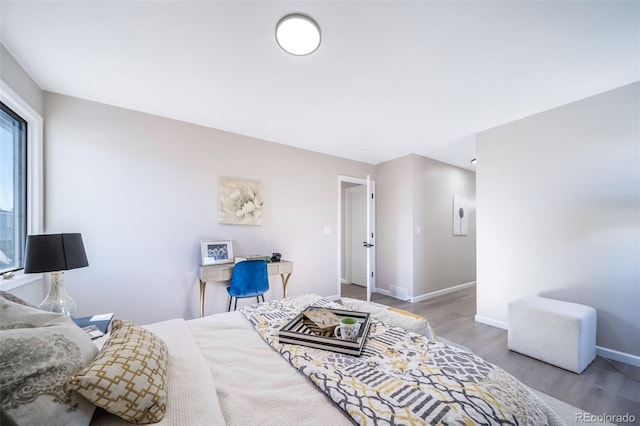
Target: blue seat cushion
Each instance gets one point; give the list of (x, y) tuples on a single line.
[(249, 279)]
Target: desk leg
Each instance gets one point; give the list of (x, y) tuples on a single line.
[(203, 284), (285, 281)]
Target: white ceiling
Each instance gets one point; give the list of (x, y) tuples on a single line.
[(390, 77)]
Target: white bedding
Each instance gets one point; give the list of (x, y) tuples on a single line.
[(191, 398), (222, 372), (255, 385), (249, 383)]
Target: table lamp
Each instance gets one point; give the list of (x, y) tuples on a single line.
[(55, 253)]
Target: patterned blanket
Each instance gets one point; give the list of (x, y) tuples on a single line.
[(401, 378)]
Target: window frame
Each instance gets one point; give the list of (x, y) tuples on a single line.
[(35, 175), (16, 128)]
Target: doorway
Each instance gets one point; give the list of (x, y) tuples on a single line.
[(355, 224), (356, 248)]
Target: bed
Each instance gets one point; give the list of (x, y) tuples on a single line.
[(230, 369)]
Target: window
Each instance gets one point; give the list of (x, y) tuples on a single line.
[(21, 183), (13, 189)]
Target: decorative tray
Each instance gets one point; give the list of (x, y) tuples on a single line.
[(298, 333)]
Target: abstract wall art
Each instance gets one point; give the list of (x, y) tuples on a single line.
[(460, 215), (240, 202)]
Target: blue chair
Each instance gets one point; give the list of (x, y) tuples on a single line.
[(248, 279)]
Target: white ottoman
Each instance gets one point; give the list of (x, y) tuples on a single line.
[(553, 331)]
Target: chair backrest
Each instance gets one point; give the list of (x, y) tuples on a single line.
[(249, 278)]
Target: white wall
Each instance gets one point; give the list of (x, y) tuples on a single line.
[(441, 259), (415, 191), (143, 191), (394, 222), (558, 200), (19, 81)]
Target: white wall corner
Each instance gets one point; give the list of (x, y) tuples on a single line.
[(492, 322)]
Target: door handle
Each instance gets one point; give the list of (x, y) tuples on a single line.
[(367, 245)]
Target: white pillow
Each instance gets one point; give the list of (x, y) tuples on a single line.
[(394, 316)]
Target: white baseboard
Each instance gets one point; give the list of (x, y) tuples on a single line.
[(492, 322), (441, 292), (618, 356), (376, 290), (603, 352)]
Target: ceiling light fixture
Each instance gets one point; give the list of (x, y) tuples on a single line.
[(473, 161), (298, 34)]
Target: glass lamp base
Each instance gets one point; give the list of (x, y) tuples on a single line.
[(58, 300)]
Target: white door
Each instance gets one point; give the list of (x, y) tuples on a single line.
[(365, 246), (369, 243), (356, 199)]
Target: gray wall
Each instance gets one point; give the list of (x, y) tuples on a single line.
[(558, 198), (143, 190), (21, 83), (417, 192)]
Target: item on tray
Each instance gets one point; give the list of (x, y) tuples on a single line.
[(299, 332), (320, 320), (347, 329)]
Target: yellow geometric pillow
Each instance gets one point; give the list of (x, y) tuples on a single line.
[(127, 378)]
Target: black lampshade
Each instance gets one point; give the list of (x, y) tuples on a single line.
[(54, 252)]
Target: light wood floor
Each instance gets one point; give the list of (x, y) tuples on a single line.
[(605, 387)]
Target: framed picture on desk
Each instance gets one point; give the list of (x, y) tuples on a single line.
[(214, 252)]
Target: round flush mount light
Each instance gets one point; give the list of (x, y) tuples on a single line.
[(298, 34), (474, 161)]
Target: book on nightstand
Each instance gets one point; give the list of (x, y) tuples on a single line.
[(96, 325), (252, 257)]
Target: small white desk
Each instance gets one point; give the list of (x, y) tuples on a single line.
[(222, 272)]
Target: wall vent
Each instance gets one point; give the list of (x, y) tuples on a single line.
[(399, 292)]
